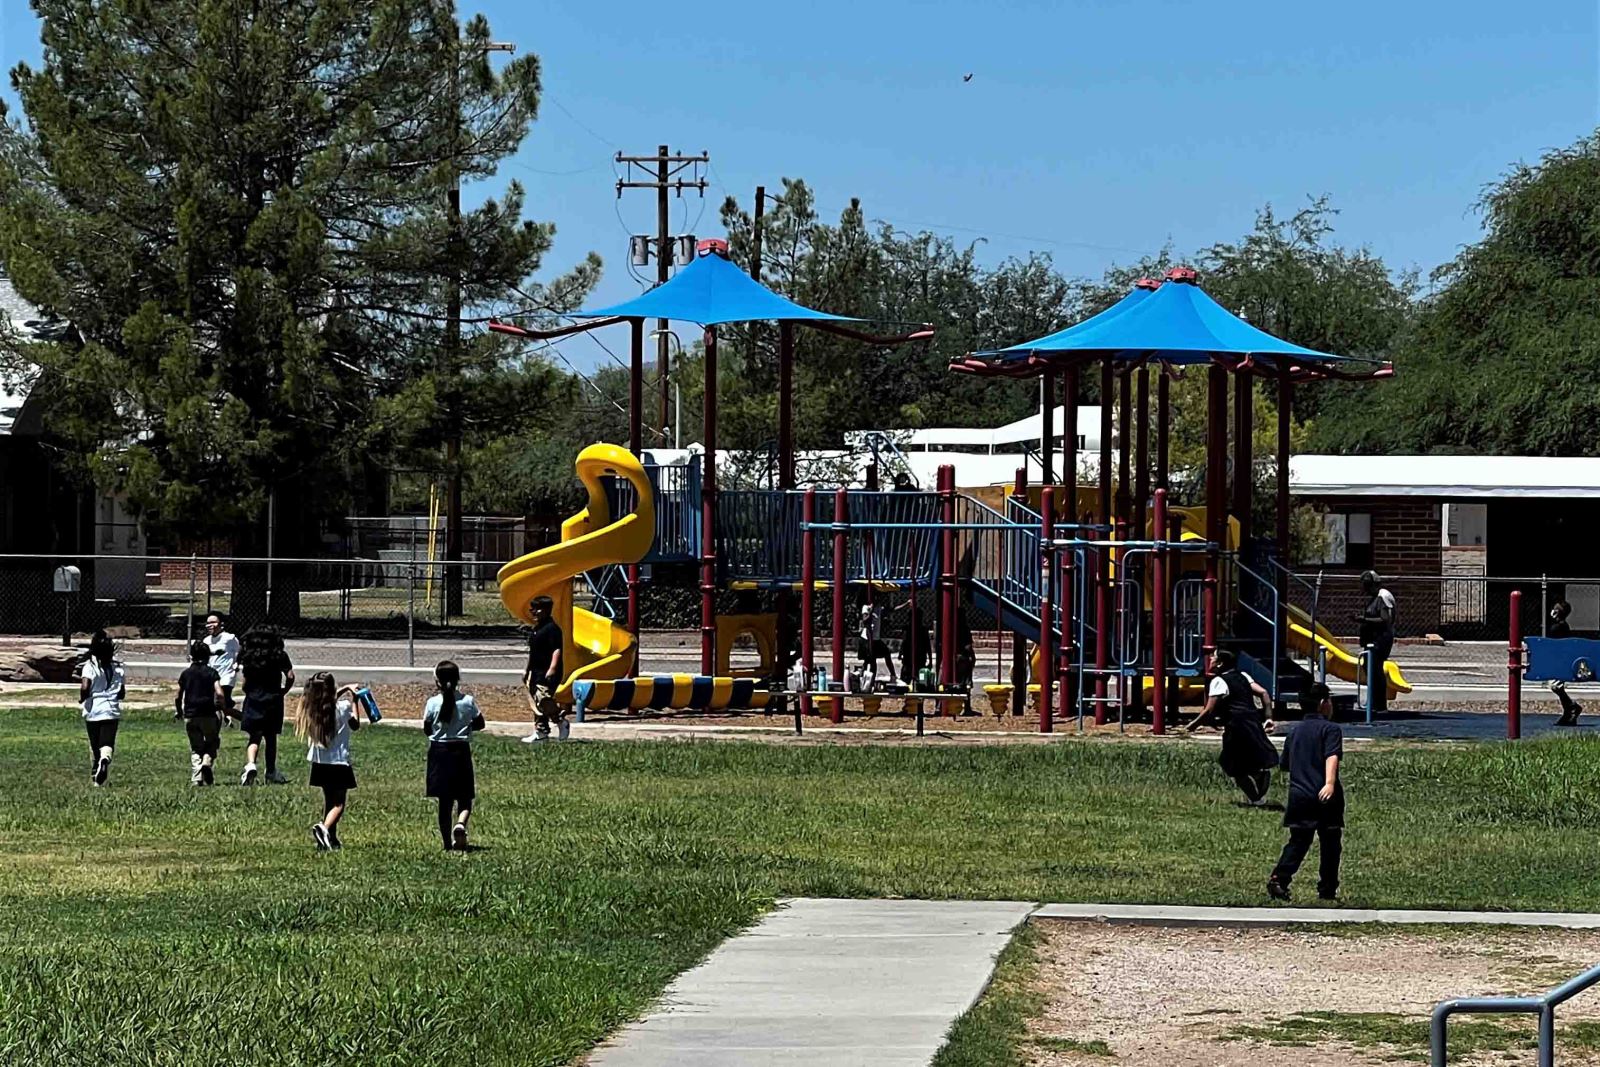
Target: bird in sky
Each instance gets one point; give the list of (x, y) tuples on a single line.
[(966, 77)]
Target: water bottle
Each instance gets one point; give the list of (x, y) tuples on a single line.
[(370, 703)]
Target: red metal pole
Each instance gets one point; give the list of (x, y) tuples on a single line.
[(1216, 497), (1158, 619), (841, 562), (1069, 440), (1047, 427), (947, 577), (1141, 455), (708, 513), (1098, 557), (1243, 453), (808, 596), (1163, 428), (1513, 670), (1047, 639), (636, 446)]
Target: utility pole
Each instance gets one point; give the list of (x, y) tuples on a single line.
[(664, 170), (450, 370)]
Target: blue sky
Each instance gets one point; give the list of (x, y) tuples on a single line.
[(1090, 130)]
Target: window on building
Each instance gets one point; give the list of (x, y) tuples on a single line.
[(1346, 540), (1466, 525)]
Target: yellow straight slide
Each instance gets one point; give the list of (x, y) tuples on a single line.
[(595, 647), (1342, 663)]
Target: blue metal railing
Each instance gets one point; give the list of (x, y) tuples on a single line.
[(895, 536), (1542, 1006), (1259, 597), (677, 497)]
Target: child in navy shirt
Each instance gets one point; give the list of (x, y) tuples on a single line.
[(1316, 797)]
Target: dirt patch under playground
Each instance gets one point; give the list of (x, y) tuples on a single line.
[(1205, 997)]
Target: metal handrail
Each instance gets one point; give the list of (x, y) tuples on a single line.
[(1543, 1006)]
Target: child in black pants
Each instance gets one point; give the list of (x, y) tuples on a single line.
[(200, 704), (1316, 798)]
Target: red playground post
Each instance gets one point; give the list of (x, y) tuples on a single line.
[(1158, 619), (1513, 670), (841, 507), (1047, 642), (808, 595)]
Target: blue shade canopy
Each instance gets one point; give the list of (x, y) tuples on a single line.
[(1053, 341), (1178, 323), (713, 290)]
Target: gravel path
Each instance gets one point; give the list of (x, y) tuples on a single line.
[(1167, 996)]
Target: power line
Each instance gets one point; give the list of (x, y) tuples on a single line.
[(579, 123)]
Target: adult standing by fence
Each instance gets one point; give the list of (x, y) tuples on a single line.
[(224, 649), (1377, 637)]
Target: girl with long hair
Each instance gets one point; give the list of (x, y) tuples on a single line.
[(327, 717), (101, 689), (268, 676), (449, 719)]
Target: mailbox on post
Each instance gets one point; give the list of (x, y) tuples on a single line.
[(68, 580)]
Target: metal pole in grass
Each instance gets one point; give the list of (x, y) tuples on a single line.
[(808, 595), (411, 615), (1158, 619), (841, 509), (1514, 670), (1047, 644)]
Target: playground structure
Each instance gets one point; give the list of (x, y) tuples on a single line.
[(1121, 597)]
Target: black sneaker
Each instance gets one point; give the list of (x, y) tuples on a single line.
[(1277, 890), (458, 838), (333, 839), (206, 775), (102, 770), (1327, 894), (319, 834)]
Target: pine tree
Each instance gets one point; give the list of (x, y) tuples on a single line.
[(240, 204)]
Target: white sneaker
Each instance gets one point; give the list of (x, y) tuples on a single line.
[(194, 769), (249, 775), (563, 730), (533, 739), (319, 834), (458, 838), (102, 770)]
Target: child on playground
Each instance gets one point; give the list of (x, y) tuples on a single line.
[(1316, 797), (449, 719), (101, 689), (268, 676), (870, 646), (200, 703), (1247, 753), (543, 675), (327, 717)]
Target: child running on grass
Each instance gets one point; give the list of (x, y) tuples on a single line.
[(268, 676), (101, 689), (201, 703), (1316, 798), (544, 672), (449, 718), (1247, 754), (327, 716)]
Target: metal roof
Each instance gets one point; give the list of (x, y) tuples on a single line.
[(1447, 477)]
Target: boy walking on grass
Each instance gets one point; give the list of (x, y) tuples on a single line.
[(1316, 799), (544, 672)]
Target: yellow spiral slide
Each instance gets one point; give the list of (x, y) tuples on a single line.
[(595, 647)]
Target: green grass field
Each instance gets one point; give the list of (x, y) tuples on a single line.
[(152, 923)]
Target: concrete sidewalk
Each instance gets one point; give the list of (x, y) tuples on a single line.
[(826, 982)]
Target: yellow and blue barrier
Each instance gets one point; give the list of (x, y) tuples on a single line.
[(697, 692)]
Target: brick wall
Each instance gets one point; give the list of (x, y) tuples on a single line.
[(1405, 544)]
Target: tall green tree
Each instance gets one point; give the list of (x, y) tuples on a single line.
[(1503, 353), (240, 204)]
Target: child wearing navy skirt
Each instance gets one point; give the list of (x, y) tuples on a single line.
[(449, 719), (327, 716)]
